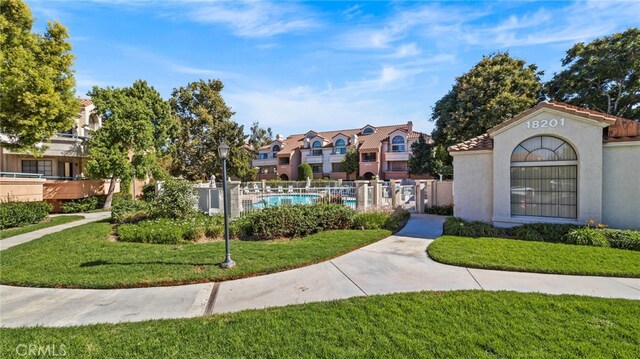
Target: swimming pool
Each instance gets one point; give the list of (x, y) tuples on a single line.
[(291, 199)]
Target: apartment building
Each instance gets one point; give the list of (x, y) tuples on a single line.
[(383, 151), (59, 173)]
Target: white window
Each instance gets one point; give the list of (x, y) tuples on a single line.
[(397, 144), (317, 145), (341, 146), (544, 178)]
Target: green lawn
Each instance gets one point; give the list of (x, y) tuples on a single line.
[(541, 257), (465, 324), (49, 222), (82, 257)]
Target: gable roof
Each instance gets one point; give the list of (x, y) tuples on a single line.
[(619, 129)]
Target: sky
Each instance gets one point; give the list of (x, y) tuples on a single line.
[(299, 66)]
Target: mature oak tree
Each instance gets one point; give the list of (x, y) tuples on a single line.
[(494, 90), (205, 122), (603, 75), (36, 80), (136, 123)]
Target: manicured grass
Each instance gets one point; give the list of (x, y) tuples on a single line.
[(82, 257), (466, 324), (49, 222), (541, 257)]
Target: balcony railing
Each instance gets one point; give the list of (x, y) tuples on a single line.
[(39, 176)]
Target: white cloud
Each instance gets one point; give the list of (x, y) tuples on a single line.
[(255, 18), (406, 50), (352, 11)]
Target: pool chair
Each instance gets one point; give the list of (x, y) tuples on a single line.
[(290, 189), (256, 189), (268, 189), (279, 189)]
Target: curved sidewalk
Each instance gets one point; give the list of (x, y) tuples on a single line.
[(395, 264)]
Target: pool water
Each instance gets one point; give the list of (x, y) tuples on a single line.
[(290, 199)]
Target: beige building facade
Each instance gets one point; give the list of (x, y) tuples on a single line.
[(553, 163)]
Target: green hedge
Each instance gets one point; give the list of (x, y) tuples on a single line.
[(172, 231), (294, 221), (444, 210), (15, 214), (83, 205), (391, 220), (548, 232)]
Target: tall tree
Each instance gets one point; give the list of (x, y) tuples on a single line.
[(36, 80), (603, 75), (205, 122), (259, 136), (494, 90), (421, 159), (351, 162), (304, 172), (126, 143)]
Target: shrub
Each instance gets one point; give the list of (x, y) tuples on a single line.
[(171, 231), (15, 214), (294, 221), (129, 211), (546, 232), (148, 192), (444, 210), (81, 205), (176, 199), (397, 219), (587, 236), (304, 172), (457, 227), (370, 220), (623, 239)]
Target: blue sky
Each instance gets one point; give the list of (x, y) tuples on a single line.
[(296, 66)]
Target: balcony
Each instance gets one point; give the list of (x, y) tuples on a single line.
[(62, 189), (259, 162), (336, 157), (396, 156), (313, 158), (62, 145)]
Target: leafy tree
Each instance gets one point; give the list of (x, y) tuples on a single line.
[(421, 159), (603, 75), (494, 90), (259, 136), (351, 162), (304, 172), (125, 145), (36, 80), (205, 122), (176, 199)]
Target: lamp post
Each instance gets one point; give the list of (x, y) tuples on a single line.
[(223, 151)]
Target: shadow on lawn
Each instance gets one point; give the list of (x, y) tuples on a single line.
[(101, 262)]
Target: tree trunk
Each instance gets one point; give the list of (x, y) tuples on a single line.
[(112, 188)]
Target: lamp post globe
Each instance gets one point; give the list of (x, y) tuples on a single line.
[(223, 151)]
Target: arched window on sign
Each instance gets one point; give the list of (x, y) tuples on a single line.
[(397, 144), (544, 178), (341, 146)]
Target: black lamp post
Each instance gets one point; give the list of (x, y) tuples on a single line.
[(223, 151)]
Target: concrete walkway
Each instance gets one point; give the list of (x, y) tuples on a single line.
[(395, 264), (22, 238)]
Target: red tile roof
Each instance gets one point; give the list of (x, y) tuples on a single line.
[(619, 129), (85, 102)]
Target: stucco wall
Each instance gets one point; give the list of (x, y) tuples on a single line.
[(21, 189), (473, 185), (621, 185), (586, 138)]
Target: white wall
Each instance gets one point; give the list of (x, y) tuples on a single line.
[(621, 185), (473, 185), (586, 138)]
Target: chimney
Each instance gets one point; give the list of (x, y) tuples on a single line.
[(279, 137), (306, 142), (410, 126), (354, 139)]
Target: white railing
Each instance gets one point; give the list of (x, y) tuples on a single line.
[(256, 198)]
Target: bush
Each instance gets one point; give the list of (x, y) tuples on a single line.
[(457, 227), (545, 232), (148, 192), (176, 199), (172, 231), (15, 214), (304, 172), (397, 219), (294, 221), (623, 239), (370, 220), (444, 210), (129, 211), (587, 236), (81, 205)]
